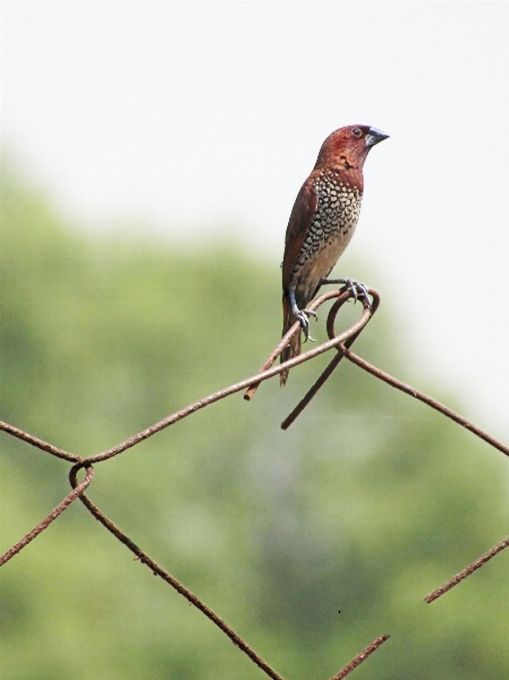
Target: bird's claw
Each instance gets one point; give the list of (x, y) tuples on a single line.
[(357, 289), (303, 317)]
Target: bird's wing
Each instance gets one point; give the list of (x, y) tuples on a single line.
[(298, 226)]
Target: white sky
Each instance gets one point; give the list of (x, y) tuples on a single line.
[(193, 118)]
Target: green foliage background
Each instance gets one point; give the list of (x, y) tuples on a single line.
[(365, 505)]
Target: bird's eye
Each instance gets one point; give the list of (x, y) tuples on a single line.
[(356, 132)]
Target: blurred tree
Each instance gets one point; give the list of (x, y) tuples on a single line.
[(367, 503)]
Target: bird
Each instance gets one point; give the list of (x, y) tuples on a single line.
[(321, 224)]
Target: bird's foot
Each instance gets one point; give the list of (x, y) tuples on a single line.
[(357, 289), (303, 317)]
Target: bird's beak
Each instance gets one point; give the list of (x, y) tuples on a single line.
[(374, 136)]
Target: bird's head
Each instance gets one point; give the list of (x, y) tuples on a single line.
[(349, 146)]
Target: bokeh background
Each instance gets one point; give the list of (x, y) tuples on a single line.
[(151, 153)]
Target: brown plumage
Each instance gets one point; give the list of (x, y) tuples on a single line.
[(322, 223)]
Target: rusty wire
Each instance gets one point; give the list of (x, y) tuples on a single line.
[(63, 505), (362, 656), (342, 343), (157, 570), (468, 570), (39, 443)]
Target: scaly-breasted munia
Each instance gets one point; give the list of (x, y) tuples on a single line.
[(322, 223)]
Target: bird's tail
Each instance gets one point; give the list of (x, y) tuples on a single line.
[(293, 349)]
